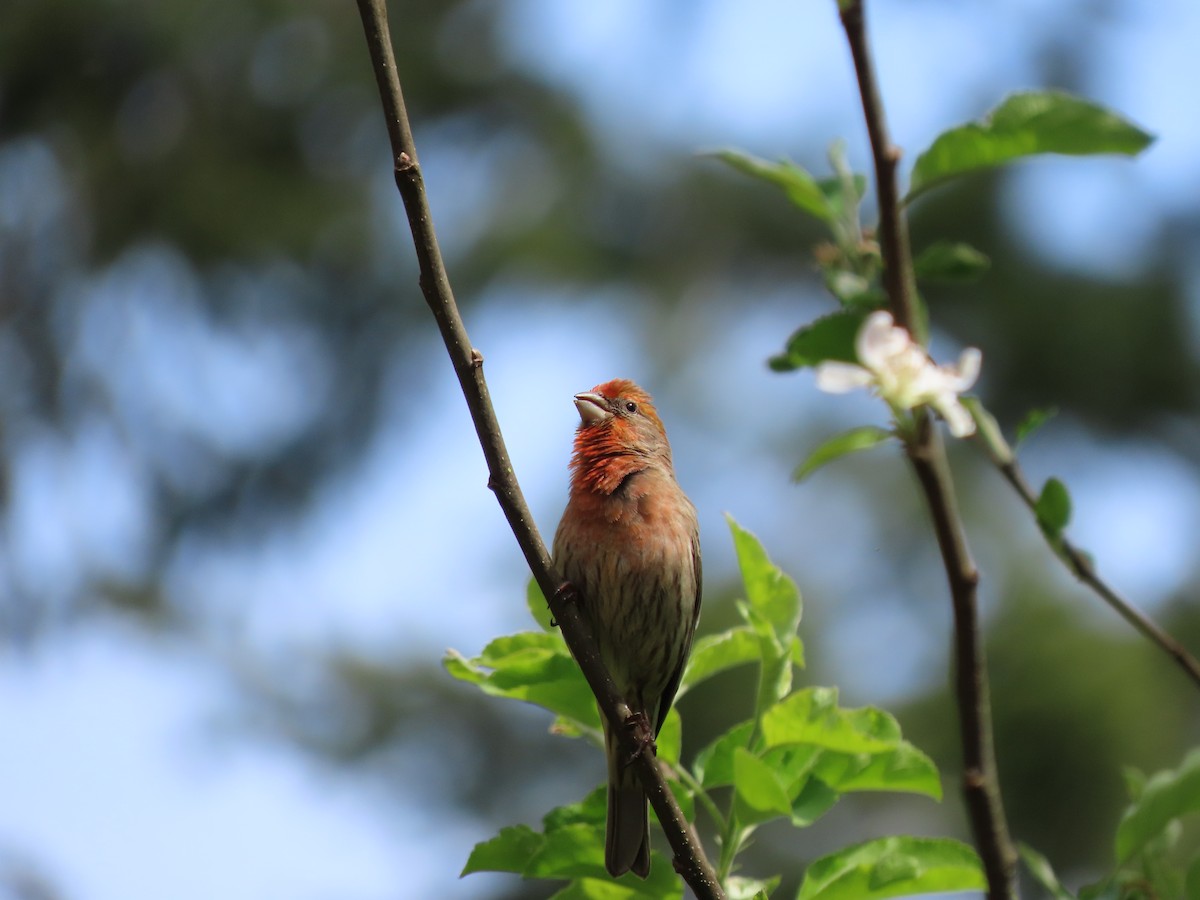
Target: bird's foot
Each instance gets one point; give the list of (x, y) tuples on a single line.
[(564, 593), (643, 735)]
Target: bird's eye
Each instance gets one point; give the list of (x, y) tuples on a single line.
[(630, 407)]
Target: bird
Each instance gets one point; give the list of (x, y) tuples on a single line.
[(629, 542)]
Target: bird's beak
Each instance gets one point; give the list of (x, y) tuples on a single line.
[(592, 408)]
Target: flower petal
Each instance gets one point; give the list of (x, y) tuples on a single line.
[(879, 341), (839, 377), (967, 372), (957, 418)]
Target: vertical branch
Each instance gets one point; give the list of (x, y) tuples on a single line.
[(690, 860), (893, 228), (981, 784), (981, 789)]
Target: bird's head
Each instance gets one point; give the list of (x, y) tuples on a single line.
[(618, 426)]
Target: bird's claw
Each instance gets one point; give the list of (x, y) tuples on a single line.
[(564, 593), (640, 726)]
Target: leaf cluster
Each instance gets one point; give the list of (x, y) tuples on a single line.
[(793, 759), (1150, 859), (1024, 124)]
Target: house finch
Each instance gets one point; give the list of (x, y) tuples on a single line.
[(630, 543)]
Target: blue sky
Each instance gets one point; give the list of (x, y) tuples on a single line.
[(114, 767)]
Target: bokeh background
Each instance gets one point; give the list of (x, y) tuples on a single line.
[(242, 508)]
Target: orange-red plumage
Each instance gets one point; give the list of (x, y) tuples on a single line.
[(629, 541)]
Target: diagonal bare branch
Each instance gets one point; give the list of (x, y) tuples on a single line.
[(1080, 565), (690, 860)]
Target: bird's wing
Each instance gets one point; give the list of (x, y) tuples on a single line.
[(668, 694)]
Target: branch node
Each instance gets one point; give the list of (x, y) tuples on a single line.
[(476, 358), (973, 779), (404, 162)]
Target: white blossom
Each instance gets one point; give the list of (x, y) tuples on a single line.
[(898, 369)]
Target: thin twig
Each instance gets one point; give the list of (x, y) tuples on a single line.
[(893, 227), (1081, 566), (981, 789), (690, 860)]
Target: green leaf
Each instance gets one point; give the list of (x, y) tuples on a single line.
[(813, 800), (760, 793), (839, 445), (951, 262), (1167, 796), (509, 851), (904, 768), (596, 889), (830, 337), (715, 653), (772, 610), (1053, 508), (628, 888), (461, 668), (538, 607), (1135, 781), (1034, 420), (738, 887), (812, 716), (800, 187), (670, 738), (577, 852), (843, 194), (714, 764), (572, 846), (1043, 873), (525, 646), (796, 652), (574, 834), (893, 867), (774, 681), (769, 591), (533, 666), (591, 810), (793, 763), (1022, 125), (775, 668), (570, 851)]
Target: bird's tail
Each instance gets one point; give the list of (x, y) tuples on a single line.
[(627, 837)]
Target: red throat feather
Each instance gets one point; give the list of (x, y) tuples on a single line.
[(607, 452)]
